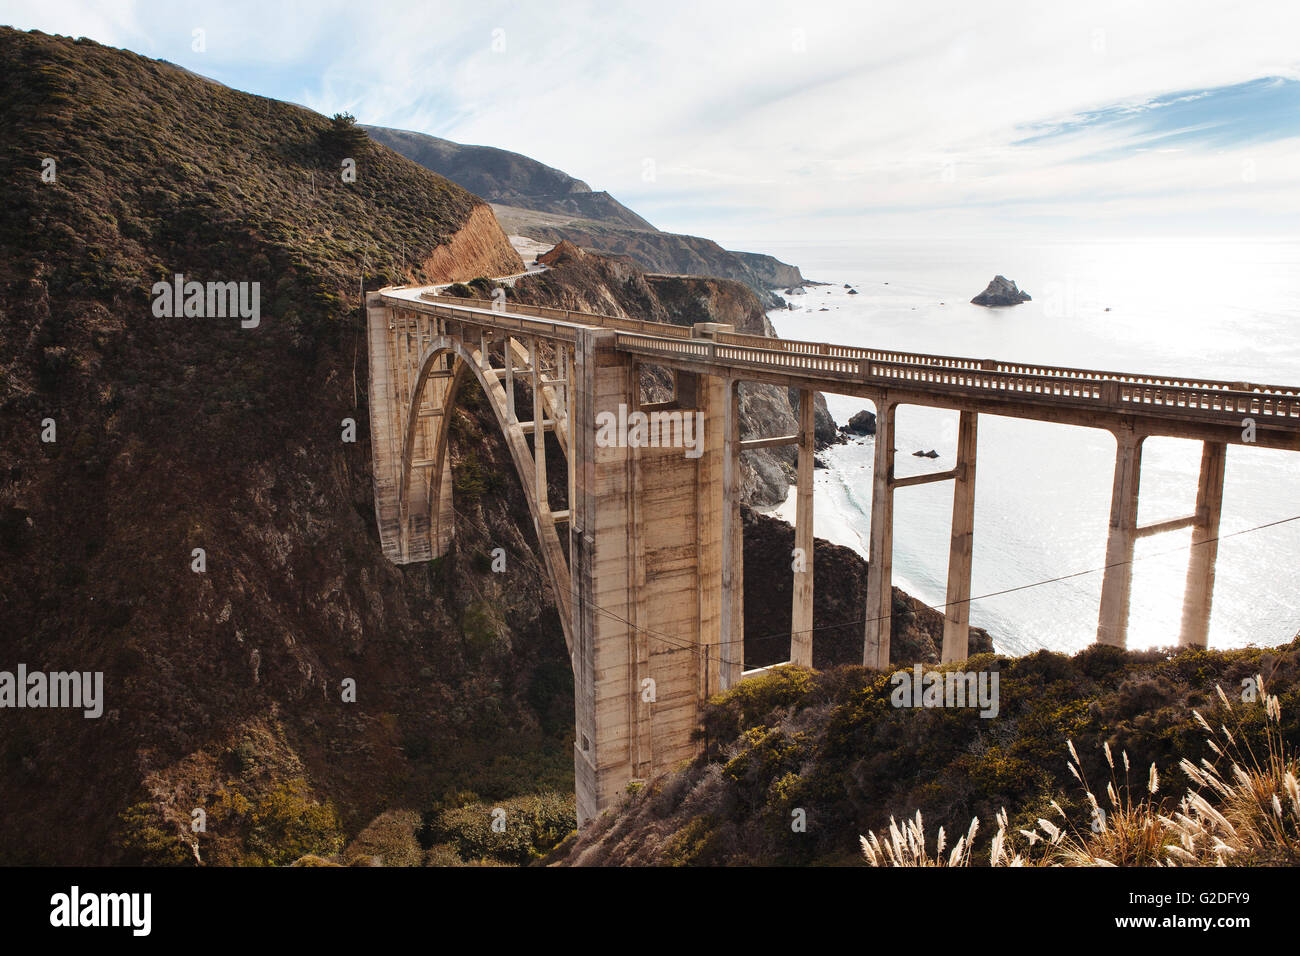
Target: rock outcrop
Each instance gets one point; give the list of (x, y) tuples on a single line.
[(862, 423), (1001, 291), (478, 248)]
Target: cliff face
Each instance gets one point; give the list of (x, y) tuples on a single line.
[(659, 252), (769, 270), (477, 248)]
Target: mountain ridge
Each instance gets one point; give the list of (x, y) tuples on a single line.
[(547, 204)]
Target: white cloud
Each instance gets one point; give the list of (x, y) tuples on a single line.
[(765, 116)]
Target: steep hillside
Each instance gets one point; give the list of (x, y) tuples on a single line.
[(802, 763), (500, 176), (223, 688)]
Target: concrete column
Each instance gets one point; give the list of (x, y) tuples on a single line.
[(646, 571), (732, 641), (571, 374), (710, 398), (598, 546), (1117, 585), (510, 377), (880, 597), (539, 426), (956, 615), (1199, 593), (801, 618)]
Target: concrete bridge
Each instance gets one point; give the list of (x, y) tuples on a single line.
[(645, 551)]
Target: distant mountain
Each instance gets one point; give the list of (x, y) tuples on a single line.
[(533, 199), (501, 176)]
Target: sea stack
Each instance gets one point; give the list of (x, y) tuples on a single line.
[(1001, 291)]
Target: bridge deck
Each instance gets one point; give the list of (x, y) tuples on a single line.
[(1179, 406)]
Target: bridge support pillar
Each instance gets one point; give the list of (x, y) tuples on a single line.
[(1117, 584), (732, 658), (801, 618), (1198, 595), (956, 613), (646, 565), (880, 596)]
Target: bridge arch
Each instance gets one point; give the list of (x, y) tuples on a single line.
[(439, 401)]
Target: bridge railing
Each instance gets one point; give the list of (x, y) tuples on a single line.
[(1113, 391), (969, 377), (571, 316), (993, 365), (487, 318)]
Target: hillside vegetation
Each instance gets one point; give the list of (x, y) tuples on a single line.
[(830, 748), (223, 688)]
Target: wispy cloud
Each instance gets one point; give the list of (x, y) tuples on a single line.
[(821, 118)]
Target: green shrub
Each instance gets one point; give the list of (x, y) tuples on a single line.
[(287, 824), (526, 827)]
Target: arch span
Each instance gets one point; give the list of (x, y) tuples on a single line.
[(421, 470)]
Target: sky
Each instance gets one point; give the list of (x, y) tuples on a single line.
[(800, 120)]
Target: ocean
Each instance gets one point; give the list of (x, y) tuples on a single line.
[(1179, 306)]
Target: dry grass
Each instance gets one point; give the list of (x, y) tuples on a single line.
[(1243, 810), (905, 846)]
